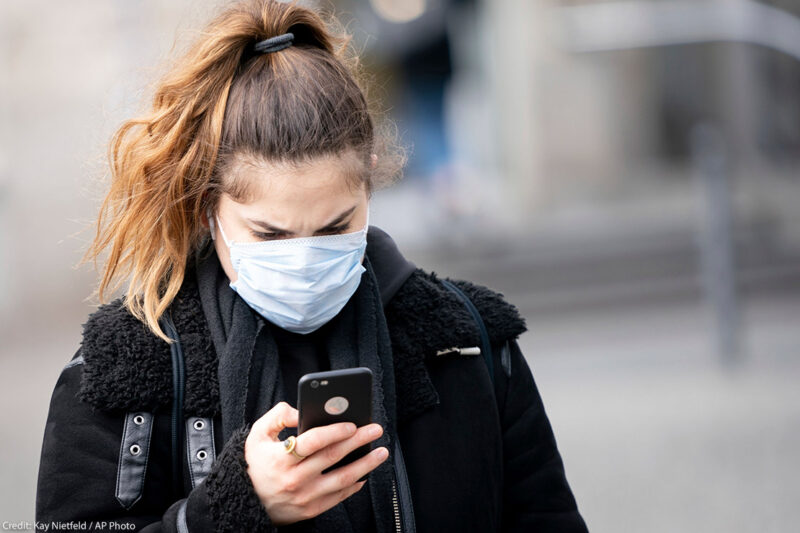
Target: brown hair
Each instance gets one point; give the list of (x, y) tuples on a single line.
[(223, 102)]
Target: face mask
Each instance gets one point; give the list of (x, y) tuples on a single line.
[(298, 284)]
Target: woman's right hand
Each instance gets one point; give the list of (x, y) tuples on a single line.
[(293, 489)]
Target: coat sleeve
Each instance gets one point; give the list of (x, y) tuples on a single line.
[(536, 495), (78, 473)]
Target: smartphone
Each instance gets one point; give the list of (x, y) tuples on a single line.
[(343, 395)]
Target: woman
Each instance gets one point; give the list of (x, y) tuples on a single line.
[(238, 216)]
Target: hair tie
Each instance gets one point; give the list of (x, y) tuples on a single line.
[(273, 44)]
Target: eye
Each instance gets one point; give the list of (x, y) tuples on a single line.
[(337, 229), (272, 236), (264, 236)]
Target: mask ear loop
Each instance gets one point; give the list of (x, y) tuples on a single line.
[(212, 227), (222, 232)]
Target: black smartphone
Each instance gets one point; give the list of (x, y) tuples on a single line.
[(343, 395)]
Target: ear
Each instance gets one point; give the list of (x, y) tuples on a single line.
[(373, 161), (204, 216)]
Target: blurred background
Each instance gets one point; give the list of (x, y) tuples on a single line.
[(626, 173)]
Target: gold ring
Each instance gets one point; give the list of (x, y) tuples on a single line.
[(289, 444)]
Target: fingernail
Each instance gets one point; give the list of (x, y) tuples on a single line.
[(351, 428), (382, 453), (374, 431)]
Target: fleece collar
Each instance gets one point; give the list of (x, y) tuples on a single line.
[(127, 368)]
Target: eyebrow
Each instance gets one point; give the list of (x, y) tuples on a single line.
[(269, 227)]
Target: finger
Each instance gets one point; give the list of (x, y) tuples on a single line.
[(332, 454), (315, 439), (345, 476), (282, 415), (327, 501)]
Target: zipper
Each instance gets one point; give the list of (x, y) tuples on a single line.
[(396, 508), (486, 347), (471, 350)]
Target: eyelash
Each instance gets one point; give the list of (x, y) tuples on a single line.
[(270, 236)]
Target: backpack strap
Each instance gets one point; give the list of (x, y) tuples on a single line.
[(177, 400), (486, 346)]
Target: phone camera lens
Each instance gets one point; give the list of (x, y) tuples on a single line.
[(314, 384)]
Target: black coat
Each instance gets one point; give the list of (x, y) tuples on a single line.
[(479, 458)]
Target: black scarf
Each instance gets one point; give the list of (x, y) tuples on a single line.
[(357, 336)]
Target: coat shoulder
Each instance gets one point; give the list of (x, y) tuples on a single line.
[(124, 363), (425, 307), (127, 367), (425, 318)]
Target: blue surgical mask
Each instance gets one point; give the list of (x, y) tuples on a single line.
[(298, 284)]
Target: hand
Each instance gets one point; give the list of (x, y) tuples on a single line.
[(293, 489)]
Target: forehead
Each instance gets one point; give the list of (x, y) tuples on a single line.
[(254, 180)]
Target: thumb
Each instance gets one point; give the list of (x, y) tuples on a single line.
[(282, 415)]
